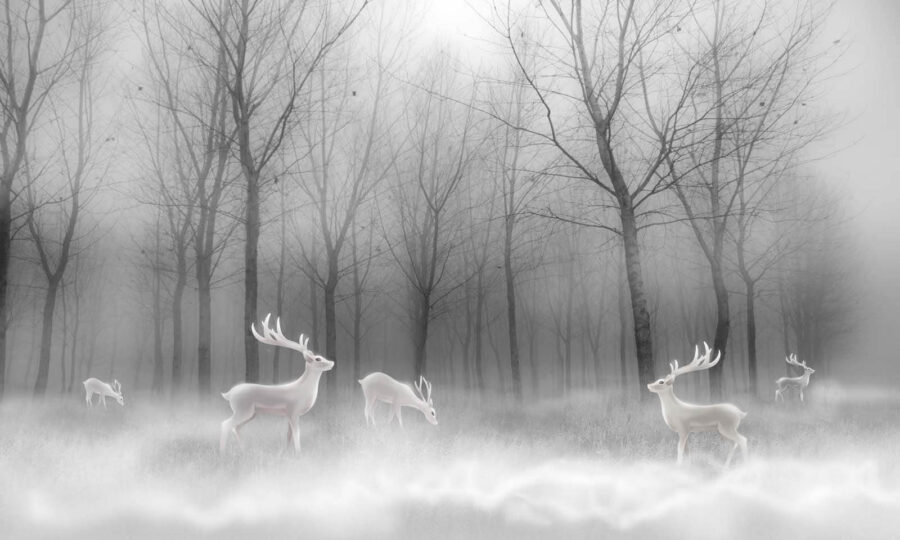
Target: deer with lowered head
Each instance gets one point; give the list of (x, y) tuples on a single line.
[(787, 383), (379, 386), (291, 400), (686, 418), (96, 386)]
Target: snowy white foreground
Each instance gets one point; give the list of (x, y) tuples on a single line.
[(587, 468)]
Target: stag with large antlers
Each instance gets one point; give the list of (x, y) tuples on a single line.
[(686, 418), (96, 386), (382, 387), (800, 383), (293, 399)]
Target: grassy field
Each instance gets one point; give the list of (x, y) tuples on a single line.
[(591, 466)]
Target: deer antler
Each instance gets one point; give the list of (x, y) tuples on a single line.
[(700, 362), (276, 337), (422, 382), (792, 360)]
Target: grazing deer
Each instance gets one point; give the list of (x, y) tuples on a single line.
[(96, 386), (293, 399), (686, 418), (801, 382), (381, 387)]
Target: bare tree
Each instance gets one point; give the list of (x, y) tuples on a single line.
[(440, 133), (272, 49), (754, 80), (347, 160), (56, 249), (29, 74), (517, 179), (189, 69), (588, 84)]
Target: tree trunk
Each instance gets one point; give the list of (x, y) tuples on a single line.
[(177, 335), (478, 330), (532, 362), (279, 284), (330, 290), (5, 252), (357, 306), (158, 371), (623, 326), (76, 325), (314, 300), (723, 327), (467, 341), (40, 385), (567, 359), (511, 309), (751, 339), (204, 331), (642, 333), (65, 332), (420, 340), (251, 248)]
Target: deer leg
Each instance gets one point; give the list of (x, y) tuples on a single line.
[(295, 431), (392, 413), (290, 435), (778, 394), (87, 397), (682, 444), (223, 433), (739, 440), (370, 411), (801, 394), (399, 417), (103, 399), (232, 424)]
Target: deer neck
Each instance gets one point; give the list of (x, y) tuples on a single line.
[(669, 400), (309, 380)]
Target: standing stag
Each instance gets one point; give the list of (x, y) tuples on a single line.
[(382, 387), (686, 418), (293, 399), (96, 386), (800, 383)]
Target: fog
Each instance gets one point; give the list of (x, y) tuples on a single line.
[(860, 160), (580, 468), (535, 209)]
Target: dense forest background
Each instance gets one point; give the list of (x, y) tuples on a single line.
[(575, 197)]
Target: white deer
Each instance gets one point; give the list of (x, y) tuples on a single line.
[(382, 387), (292, 399), (801, 382), (96, 386), (686, 418)]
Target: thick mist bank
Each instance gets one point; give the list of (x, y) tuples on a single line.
[(578, 468)]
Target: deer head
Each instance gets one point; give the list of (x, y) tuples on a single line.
[(425, 396), (117, 388), (700, 362), (275, 337), (792, 360)]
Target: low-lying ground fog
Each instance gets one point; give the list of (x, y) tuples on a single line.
[(590, 466)]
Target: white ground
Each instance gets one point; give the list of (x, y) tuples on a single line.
[(588, 467)]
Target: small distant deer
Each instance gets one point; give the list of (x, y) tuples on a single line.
[(293, 399), (800, 383), (686, 418), (96, 386), (382, 387)]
